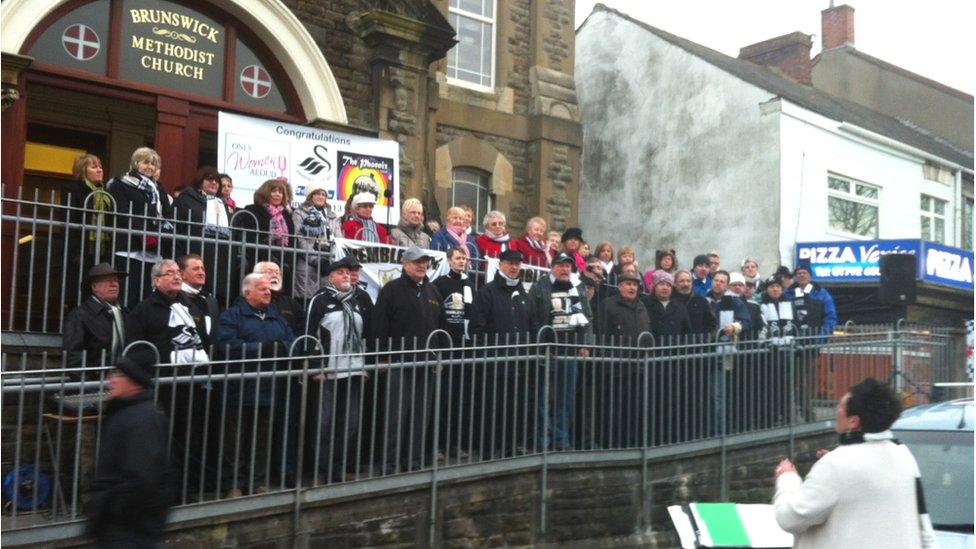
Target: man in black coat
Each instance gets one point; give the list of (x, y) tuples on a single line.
[(132, 489), (669, 316), (501, 317), (702, 320), (408, 309), (165, 320), (97, 326), (457, 289), (623, 318), (203, 306), (670, 325), (703, 325), (205, 312)]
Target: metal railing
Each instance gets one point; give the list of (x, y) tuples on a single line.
[(240, 427), (244, 426), (53, 245)]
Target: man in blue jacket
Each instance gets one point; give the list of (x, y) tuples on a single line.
[(701, 279), (816, 316), (814, 305), (254, 332)]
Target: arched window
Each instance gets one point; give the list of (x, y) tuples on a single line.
[(470, 188)]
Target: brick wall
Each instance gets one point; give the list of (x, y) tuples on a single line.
[(589, 505)]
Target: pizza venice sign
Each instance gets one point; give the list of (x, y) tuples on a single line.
[(860, 261)]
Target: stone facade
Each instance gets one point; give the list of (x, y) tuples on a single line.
[(389, 61)]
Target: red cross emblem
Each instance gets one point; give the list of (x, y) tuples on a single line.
[(255, 81), (80, 41)]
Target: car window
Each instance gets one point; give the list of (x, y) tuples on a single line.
[(945, 459)]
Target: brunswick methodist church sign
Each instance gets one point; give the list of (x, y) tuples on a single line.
[(178, 46), (172, 46)]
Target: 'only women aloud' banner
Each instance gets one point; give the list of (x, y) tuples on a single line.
[(254, 150)]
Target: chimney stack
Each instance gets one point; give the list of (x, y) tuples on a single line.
[(789, 54), (837, 26)]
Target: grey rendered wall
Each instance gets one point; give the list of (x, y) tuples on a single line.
[(676, 152)]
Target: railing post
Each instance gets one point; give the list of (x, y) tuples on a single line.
[(300, 452), (896, 358), (435, 437), (544, 429), (645, 489), (792, 398)]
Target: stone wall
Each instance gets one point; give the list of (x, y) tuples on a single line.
[(347, 55), (593, 504)]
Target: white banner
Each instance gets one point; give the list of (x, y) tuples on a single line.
[(381, 262), (253, 150), (529, 273)]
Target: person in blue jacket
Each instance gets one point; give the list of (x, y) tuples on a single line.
[(254, 332), (453, 234), (701, 277), (816, 316), (814, 305)]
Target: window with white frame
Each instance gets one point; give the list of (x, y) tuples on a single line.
[(470, 188), (852, 206), (933, 218), (472, 60)]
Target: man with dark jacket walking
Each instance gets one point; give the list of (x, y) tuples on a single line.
[(132, 491), (502, 317), (97, 326), (408, 309)]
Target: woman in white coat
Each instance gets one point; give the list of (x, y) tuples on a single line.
[(867, 492)]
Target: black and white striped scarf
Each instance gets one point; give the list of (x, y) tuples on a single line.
[(351, 338)]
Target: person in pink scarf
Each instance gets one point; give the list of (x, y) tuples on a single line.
[(533, 244), (572, 242), (268, 222), (495, 239), (454, 233)]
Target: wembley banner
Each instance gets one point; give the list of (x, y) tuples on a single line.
[(381, 262), (253, 150)]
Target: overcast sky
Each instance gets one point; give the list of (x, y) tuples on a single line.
[(928, 37)]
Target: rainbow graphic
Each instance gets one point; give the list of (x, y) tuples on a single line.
[(364, 173)]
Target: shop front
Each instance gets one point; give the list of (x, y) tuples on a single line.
[(851, 270)]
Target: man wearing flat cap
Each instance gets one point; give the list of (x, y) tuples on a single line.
[(336, 319), (360, 225), (408, 309), (132, 489), (623, 318), (97, 326)]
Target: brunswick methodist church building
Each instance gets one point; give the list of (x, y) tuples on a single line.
[(478, 94)]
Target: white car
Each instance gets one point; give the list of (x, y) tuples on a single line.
[(940, 436)]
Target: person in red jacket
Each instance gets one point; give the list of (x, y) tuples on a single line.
[(360, 225), (495, 239), (533, 244)]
